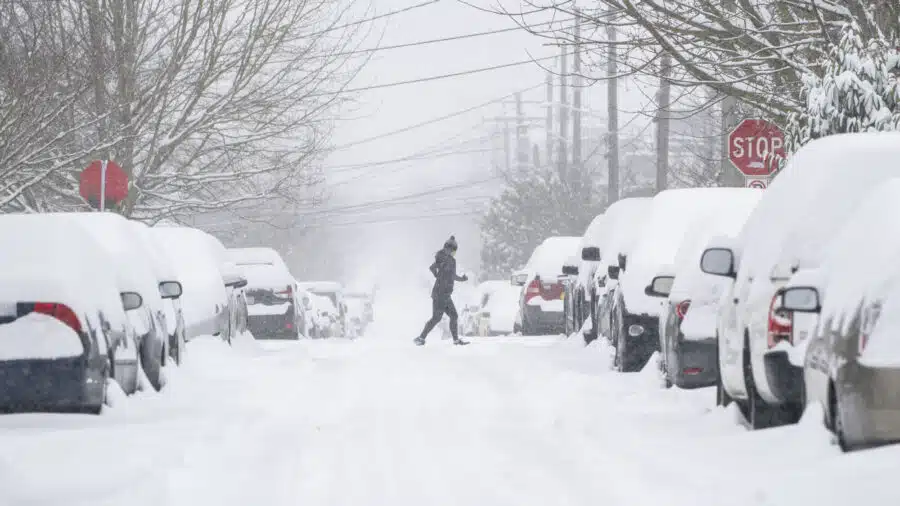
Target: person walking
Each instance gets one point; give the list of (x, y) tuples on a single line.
[(444, 271)]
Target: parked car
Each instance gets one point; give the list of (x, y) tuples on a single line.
[(134, 269), (687, 337), (571, 301), (62, 318), (204, 299), (469, 315), (334, 291), (801, 210), (584, 294), (624, 220), (170, 289), (235, 319), (360, 310), (497, 315), (541, 304), (635, 317), (851, 360), (274, 306)]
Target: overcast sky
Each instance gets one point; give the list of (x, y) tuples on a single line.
[(411, 242)]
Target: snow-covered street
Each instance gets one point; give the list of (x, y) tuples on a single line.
[(378, 421)]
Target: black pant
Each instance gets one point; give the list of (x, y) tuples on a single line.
[(439, 306)]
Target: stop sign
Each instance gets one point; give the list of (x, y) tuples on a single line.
[(116, 182), (755, 146)]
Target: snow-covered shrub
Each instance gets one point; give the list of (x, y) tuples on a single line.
[(857, 91)]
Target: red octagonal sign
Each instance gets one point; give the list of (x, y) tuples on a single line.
[(116, 186), (750, 145)]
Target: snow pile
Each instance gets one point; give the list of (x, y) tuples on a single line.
[(548, 258), (266, 276), (672, 215), (268, 310), (38, 336)]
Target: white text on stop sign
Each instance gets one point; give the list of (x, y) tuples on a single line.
[(755, 147)]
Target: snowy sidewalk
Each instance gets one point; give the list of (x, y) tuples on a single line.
[(505, 421)]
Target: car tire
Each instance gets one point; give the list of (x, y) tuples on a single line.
[(663, 372), (837, 420)]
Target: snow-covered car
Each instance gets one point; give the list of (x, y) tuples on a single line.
[(468, 312), (801, 210), (635, 317), (584, 291), (571, 302), (170, 289), (273, 298), (687, 328), (204, 298), (62, 318), (851, 361), (235, 321), (624, 220), (325, 315), (136, 274), (359, 310), (498, 314), (334, 291), (541, 304)]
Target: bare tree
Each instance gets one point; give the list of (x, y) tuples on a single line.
[(206, 105)]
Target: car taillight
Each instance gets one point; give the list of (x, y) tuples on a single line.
[(780, 322), (869, 319), (682, 308), (533, 289), (61, 312), (287, 292)]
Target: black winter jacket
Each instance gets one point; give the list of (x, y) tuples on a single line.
[(444, 270)]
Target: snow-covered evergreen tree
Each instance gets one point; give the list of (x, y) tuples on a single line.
[(536, 204), (858, 91)]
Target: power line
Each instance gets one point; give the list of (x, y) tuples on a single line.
[(373, 18), (393, 219), (434, 78), (435, 120), (434, 156)]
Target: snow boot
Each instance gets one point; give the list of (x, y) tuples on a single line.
[(419, 341), (460, 342)]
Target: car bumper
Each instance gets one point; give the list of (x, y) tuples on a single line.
[(785, 380), (49, 385), (548, 322), (272, 326), (698, 364)]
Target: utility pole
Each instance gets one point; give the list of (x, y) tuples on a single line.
[(662, 123), (548, 127), (506, 140), (612, 112), (521, 131), (562, 156), (576, 101)]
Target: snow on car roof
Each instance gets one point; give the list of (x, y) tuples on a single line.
[(813, 196), (671, 216), (728, 219), (203, 287), (245, 256), (593, 232), (624, 219), (266, 276), (321, 286), (115, 235), (51, 261), (548, 258), (159, 257)]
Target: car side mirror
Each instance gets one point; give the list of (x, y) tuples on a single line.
[(623, 259), (170, 289), (239, 283), (718, 262), (590, 254), (518, 279), (801, 299), (570, 270), (613, 272), (131, 300), (661, 286)]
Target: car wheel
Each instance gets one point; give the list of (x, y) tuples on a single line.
[(663, 371), (837, 421)]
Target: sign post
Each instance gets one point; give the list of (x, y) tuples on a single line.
[(103, 185), (755, 147)]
